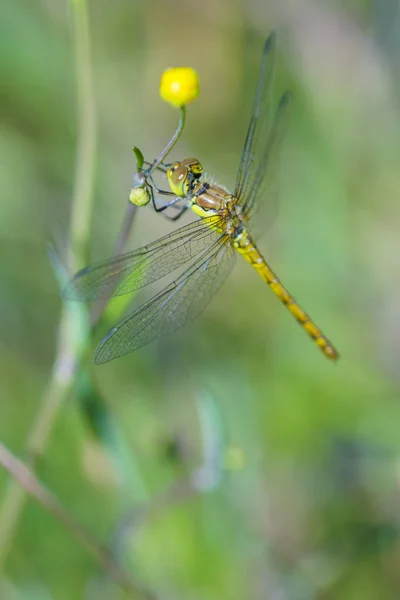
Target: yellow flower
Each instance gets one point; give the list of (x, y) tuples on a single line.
[(179, 86)]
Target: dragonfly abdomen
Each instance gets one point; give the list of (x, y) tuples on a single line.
[(245, 246)]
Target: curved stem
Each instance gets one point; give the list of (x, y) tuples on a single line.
[(31, 485), (171, 143), (66, 361)]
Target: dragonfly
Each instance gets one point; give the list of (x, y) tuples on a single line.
[(227, 227)]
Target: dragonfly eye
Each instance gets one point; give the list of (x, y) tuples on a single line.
[(178, 178)]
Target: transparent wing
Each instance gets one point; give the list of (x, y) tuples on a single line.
[(262, 185), (128, 272), (170, 309), (260, 121)]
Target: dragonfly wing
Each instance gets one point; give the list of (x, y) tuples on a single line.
[(260, 156), (170, 309), (261, 117), (261, 186), (128, 272)]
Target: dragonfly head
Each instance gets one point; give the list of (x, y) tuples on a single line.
[(182, 175)]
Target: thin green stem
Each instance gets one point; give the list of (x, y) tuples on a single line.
[(82, 206), (67, 353), (171, 143), (32, 486)]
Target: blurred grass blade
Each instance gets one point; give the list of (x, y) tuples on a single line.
[(208, 475), (110, 436)]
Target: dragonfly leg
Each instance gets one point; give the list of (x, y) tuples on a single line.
[(153, 185), (178, 214), (161, 167), (163, 207), (172, 203)]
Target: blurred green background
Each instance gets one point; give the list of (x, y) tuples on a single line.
[(230, 460)]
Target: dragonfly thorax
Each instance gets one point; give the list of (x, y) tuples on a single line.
[(210, 199), (206, 199)]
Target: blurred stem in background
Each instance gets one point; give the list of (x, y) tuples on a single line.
[(82, 205), (30, 484), (65, 364), (75, 332)]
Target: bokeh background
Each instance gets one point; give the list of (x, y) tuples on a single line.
[(231, 459)]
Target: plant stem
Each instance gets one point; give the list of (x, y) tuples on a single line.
[(27, 480), (67, 359), (171, 143), (81, 216)]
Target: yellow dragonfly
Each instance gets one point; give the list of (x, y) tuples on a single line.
[(226, 228)]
